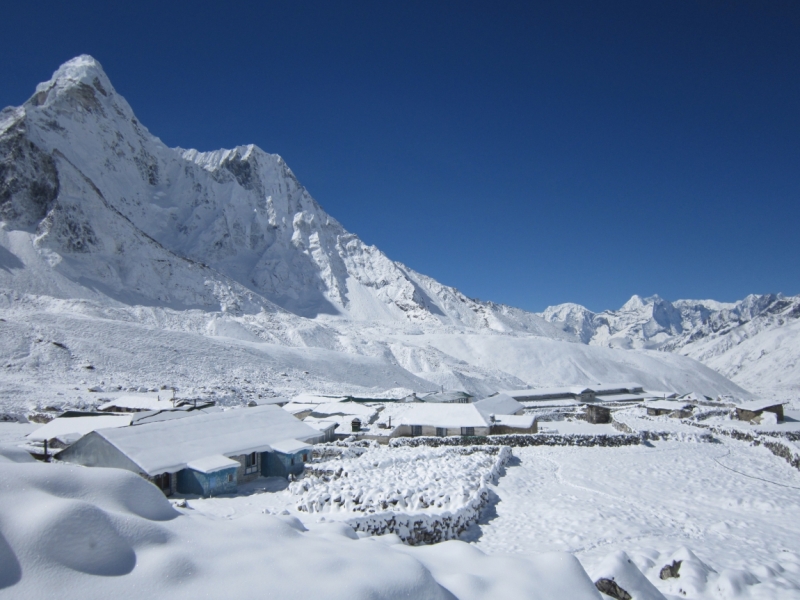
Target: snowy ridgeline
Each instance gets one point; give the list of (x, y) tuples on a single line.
[(422, 495)]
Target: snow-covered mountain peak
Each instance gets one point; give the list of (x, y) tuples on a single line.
[(83, 69)]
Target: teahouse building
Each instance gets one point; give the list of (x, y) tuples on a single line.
[(206, 455)]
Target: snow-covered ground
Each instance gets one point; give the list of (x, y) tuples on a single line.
[(657, 502)]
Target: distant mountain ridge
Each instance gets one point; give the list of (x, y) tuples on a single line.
[(737, 339)]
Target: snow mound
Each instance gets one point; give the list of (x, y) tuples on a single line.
[(620, 569), (74, 532)]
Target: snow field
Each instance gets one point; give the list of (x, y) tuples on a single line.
[(729, 510)]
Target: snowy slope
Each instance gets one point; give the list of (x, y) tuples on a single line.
[(217, 270), (754, 341)]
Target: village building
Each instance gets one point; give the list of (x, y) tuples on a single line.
[(672, 408), (435, 419), (124, 404), (499, 404), (448, 397), (511, 424), (752, 411), (597, 414), (348, 417), (624, 392), (71, 426), (208, 454), (573, 393), (277, 401)]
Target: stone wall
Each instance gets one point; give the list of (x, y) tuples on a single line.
[(522, 440)]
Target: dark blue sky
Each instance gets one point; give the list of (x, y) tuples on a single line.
[(526, 153)]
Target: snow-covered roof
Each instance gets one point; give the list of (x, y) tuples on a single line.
[(154, 416), (315, 399), (603, 388), (295, 408), (171, 445), (289, 446), (210, 464), (442, 415), (621, 397), (343, 408), (759, 404), (320, 425), (667, 405), (548, 392), (515, 421), (77, 426), (344, 422), (501, 404), (446, 396), (660, 394), (137, 403), (279, 400)]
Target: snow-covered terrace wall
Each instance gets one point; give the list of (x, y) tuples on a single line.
[(424, 495), (520, 441)]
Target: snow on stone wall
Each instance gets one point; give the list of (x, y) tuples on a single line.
[(422, 495), (519, 441)]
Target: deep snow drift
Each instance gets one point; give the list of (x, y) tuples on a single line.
[(127, 263)]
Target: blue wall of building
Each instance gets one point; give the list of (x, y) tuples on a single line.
[(275, 464), (207, 484)]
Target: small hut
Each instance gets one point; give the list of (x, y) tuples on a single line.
[(750, 411), (678, 410), (597, 414)]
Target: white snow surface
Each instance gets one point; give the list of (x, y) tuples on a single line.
[(439, 415), (74, 532), (738, 535), (75, 427), (500, 404)]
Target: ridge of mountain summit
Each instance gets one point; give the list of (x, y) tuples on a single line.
[(240, 212)]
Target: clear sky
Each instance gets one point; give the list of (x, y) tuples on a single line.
[(527, 153)]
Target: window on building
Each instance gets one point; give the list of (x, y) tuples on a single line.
[(416, 430), (305, 457), (467, 431), (251, 463), (230, 477), (441, 431)]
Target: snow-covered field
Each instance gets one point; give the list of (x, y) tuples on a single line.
[(658, 503)]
